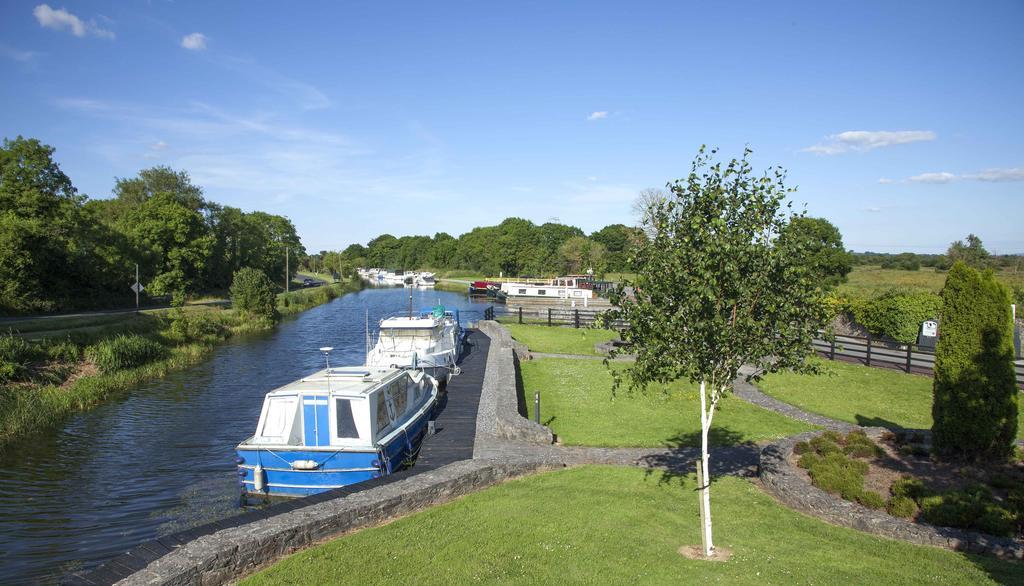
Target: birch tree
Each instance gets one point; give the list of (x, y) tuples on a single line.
[(716, 289)]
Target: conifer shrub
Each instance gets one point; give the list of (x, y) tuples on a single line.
[(123, 351), (909, 487), (972, 508), (974, 406), (901, 506), (871, 499)]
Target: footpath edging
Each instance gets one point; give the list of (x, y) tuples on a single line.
[(498, 415), (785, 483), (223, 556)]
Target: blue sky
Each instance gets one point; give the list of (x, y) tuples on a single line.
[(901, 122)]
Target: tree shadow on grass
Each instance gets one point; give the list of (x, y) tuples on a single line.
[(730, 454), (868, 421)]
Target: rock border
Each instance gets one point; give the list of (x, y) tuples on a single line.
[(226, 555), (784, 482), (498, 414)]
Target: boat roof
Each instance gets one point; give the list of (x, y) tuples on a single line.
[(343, 381), (405, 321)]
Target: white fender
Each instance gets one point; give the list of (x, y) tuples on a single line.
[(305, 465), (258, 479)]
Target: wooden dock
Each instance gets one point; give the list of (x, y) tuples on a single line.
[(455, 430)]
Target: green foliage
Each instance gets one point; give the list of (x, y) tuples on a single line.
[(714, 291), (908, 487), (252, 293), (972, 252), (801, 448), (871, 499), (16, 357), (831, 461), (901, 506), (63, 351), (124, 351), (820, 246), (972, 508), (975, 394), (906, 261), (897, 313), (580, 255), (196, 326), (837, 474)]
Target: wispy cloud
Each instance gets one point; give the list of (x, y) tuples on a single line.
[(873, 210), (866, 140), (996, 175), (17, 55), (599, 115), (194, 42), (61, 20), (885, 180), (305, 94)]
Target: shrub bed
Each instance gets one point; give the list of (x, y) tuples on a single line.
[(835, 464)]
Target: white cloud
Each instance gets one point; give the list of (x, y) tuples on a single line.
[(61, 19), (885, 180), (158, 145), (998, 175), (17, 55), (866, 140), (995, 175), (194, 42), (600, 115), (873, 210), (942, 177)]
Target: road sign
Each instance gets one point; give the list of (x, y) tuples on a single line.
[(138, 288)]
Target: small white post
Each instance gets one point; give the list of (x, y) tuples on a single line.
[(136, 287)]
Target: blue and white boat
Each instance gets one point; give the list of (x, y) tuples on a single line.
[(336, 427), (429, 341)]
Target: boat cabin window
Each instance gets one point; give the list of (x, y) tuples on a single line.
[(345, 423), (278, 421), (408, 332), (399, 396), (383, 415), (542, 292), (522, 291)]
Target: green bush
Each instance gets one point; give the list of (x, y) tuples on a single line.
[(252, 293), (63, 351), (825, 445), (801, 447), (837, 474), (859, 445), (123, 351), (196, 326), (808, 460), (974, 406), (972, 508), (16, 357), (871, 500), (897, 313), (901, 506), (909, 487)]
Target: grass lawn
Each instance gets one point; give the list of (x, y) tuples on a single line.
[(867, 281), (605, 525), (560, 340), (862, 395), (575, 401)]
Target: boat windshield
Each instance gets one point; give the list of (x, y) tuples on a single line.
[(409, 332)]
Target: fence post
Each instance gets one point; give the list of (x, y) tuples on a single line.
[(869, 350), (549, 317), (577, 318), (520, 314), (909, 346), (832, 350), (536, 407)]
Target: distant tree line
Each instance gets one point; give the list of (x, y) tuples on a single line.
[(60, 250), (513, 247), (970, 250)]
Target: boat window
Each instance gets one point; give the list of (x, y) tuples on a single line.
[(542, 292), (417, 389), (280, 411), (407, 332), (383, 417), (399, 396), (522, 291), (346, 423)]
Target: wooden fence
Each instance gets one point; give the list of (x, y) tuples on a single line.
[(867, 351)]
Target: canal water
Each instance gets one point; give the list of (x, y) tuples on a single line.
[(160, 460)]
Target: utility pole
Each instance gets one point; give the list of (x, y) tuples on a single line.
[(136, 287), (287, 278)]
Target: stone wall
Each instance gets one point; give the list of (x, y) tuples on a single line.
[(229, 554), (782, 480), (498, 415)]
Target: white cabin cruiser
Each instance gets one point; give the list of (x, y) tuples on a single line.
[(429, 342), (425, 279)]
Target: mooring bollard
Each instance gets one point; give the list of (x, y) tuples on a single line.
[(520, 315), (549, 317), (536, 407), (577, 318)]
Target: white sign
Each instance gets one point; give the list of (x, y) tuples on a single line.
[(138, 288), (930, 328)]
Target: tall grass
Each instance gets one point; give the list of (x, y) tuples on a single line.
[(123, 352)]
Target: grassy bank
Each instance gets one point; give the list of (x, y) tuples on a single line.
[(576, 404), (868, 281), (60, 372), (862, 395), (559, 340), (605, 525)]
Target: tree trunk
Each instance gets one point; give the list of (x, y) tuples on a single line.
[(705, 490)]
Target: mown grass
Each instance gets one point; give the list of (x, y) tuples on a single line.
[(868, 281), (576, 403), (862, 395), (607, 525), (43, 399), (560, 340)]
